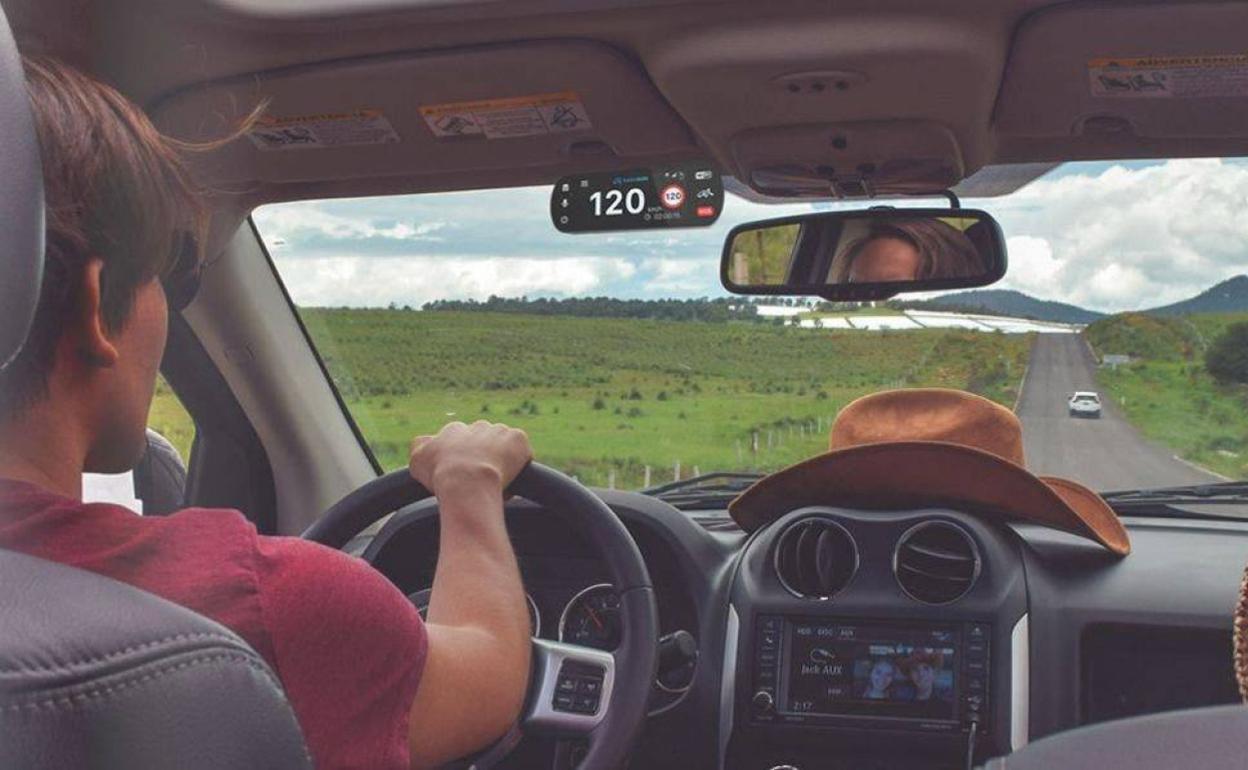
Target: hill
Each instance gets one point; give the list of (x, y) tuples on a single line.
[(1006, 302), (1230, 296), (1167, 393), (1143, 336)]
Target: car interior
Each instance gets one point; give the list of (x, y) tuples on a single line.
[(1064, 654)]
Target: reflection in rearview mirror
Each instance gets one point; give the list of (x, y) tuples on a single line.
[(906, 250), (764, 255), (866, 254)]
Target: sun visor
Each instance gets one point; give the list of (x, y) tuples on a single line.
[(904, 102), (849, 160), (1158, 70), (556, 105)]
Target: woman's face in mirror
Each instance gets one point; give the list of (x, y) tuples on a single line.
[(886, 259)]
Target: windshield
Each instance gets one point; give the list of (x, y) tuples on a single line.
[(630, 366)]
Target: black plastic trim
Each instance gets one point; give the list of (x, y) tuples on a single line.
[(342, 405), (229, 467)]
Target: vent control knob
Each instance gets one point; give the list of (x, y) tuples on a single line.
[(763, 702)]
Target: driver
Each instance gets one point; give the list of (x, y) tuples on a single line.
[(371, 684), (908, 250)]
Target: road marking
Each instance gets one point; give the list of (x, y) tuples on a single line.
[(1026, 370), (1202, 469)]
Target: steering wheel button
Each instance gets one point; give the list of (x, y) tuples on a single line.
[(564, 702), (573, 668), (591, 686), (566, 684)]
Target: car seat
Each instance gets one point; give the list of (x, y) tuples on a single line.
[(95, 673)]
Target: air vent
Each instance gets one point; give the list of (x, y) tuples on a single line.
[(936, 562), (815, 558)]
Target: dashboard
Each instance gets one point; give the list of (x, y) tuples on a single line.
[(839, 638)]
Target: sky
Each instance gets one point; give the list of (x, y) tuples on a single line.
[(1105, 236)]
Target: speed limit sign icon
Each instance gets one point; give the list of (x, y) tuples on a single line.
[(672, 197)]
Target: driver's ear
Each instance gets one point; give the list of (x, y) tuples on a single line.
[(90, 331)]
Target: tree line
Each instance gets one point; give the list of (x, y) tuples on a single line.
[(701, 309)]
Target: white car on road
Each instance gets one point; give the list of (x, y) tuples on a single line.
[(1085, 403)]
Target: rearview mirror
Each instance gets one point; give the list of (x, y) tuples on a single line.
[(863, 255)]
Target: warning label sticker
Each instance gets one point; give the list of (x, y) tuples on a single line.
[(1161, 77), (310, 132), (508, 118)]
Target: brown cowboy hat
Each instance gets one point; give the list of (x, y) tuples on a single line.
[(931, 446)]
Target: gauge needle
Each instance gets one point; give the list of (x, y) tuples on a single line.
[(594, 617)]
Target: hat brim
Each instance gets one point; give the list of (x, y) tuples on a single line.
[(912, 474)]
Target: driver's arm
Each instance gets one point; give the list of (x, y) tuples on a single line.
[(477, 669)]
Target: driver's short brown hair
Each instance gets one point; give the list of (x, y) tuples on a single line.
[(115, 188)]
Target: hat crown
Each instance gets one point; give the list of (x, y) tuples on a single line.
[(930, 414)]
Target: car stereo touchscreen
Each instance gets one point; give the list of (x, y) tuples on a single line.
[(835, 669), (828, 670)]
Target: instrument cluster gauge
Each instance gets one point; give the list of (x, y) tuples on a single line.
[(592, 618), (421, 600)]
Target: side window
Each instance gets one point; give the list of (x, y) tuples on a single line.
[(157, 484), (170, 419)]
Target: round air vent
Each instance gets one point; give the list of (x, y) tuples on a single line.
[(816, 558), (936, 562)]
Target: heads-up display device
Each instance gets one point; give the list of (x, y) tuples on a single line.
[(690, 195)]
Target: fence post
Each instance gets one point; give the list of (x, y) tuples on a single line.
[(697, 471), (754, 442), (611, 479), (646, 483), (676, 472)]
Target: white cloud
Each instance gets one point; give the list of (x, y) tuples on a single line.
[(1122, 238), (680, 276), (1105, 236), (1032, 268), (292, 222), (376, 281)]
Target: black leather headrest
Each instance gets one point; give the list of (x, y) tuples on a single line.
[(21, 202), (98, 674)]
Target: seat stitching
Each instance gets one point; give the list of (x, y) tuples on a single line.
[(65, 666), (99, 693), (102, 693)]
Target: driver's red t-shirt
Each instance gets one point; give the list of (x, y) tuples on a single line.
[(347, 646)]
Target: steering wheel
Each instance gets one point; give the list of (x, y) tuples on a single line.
[(611, 729)]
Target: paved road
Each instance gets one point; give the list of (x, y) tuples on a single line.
[(1106, 454)]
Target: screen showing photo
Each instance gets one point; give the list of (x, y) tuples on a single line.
[(875, 671)]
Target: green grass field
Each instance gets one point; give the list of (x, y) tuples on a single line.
[(1168, 395), (603, 397)]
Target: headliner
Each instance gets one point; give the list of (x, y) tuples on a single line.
[(935, 91)]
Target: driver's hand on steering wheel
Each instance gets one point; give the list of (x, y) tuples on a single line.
[(481, 454), (477, 667)]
